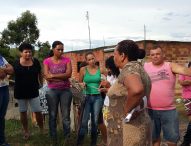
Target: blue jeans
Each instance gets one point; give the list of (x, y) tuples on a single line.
[(167, 120), (54, 98), (93, 105), (4, 100)]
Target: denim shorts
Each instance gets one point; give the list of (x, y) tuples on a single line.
[(34, 104), (167, 121)]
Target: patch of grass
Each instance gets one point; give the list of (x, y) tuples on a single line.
[(14, 136), (14, 133)]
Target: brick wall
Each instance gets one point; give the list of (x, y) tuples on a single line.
[(79, 56), (179, 52)]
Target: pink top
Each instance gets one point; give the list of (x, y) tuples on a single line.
[(55, 69), (186, 90), (163, 85)]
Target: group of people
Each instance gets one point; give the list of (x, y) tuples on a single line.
[(28, 79), (140, 100), (137, 98)]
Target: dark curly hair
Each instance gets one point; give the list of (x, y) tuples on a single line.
[(109, 63), (131, 50), (25, 46)]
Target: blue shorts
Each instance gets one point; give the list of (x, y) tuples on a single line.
[(167, 120), (34, 104)]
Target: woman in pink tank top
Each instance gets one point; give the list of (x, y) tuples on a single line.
[(57, 71)]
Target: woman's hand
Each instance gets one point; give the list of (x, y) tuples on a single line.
[(104, 84), (184, 83), (50, 76), (187, 83), (2, 74), (83, 85), (103, 90)]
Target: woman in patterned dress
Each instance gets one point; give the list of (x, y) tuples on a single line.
[(125, 95)]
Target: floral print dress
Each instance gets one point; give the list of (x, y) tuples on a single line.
[(137, 132)]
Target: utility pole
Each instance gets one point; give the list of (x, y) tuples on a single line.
[(144, 37), (103, 41), (87, 17)]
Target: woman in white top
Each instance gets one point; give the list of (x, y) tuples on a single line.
[(112, 73)]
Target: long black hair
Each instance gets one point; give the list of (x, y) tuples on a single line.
[(109, 63)]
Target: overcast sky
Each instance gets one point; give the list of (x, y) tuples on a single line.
[(110, 20)]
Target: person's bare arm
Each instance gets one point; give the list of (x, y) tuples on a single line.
[(65, 75), (184, 82), (47, 75), (103, 71), (104, 86), (135, 89), (81, 74), (40, 78), (2, 74), (178, 69), (9, 69), (81, 77)]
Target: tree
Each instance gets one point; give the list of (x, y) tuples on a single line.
[(24, 29), (14, 52), (6, 54), (44, 50)]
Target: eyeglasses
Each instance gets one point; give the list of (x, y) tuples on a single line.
[(60, 50)]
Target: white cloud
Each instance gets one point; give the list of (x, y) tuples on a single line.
[(109, 19)]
